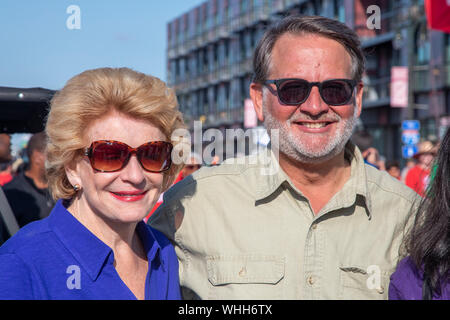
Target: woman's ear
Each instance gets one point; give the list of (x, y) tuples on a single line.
[(73, 172)]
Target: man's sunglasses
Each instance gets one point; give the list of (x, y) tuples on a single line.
[(291, 91), (111, 156)]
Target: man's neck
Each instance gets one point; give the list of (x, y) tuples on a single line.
[(319, 182)]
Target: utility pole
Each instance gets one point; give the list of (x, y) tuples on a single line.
[(412, 26)]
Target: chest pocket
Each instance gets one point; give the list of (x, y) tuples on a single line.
[(364, 283), (250, 276)]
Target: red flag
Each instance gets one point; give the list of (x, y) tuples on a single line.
[(438, 14)]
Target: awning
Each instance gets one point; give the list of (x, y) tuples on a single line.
[(438, 14), (23, 110)]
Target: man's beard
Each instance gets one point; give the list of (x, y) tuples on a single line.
[(296, 149)]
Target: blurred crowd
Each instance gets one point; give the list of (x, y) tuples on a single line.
[(416, 172), (24, 182)]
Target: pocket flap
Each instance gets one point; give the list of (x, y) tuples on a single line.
[(369, 282), (224, 269)]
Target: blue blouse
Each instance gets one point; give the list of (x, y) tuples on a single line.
[(59, 258)]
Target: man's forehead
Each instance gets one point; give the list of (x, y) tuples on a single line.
[(310, 40), (313, 50)]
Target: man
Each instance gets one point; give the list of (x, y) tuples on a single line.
[(5, 177), (410, 163), (5, 159), (28, 193), (323, 226), (194, 164), (393, 168), (364, 140), (418, 177)]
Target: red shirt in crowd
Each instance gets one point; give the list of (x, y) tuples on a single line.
[(160, 200), (418, 179), (5, 177)]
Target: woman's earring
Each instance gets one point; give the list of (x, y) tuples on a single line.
[(76, 188)]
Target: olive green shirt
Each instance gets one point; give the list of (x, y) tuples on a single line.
[(246, 232)]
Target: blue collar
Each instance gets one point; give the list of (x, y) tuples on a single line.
[(92, 253)]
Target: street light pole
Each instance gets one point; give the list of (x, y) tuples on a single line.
[(412, 25)]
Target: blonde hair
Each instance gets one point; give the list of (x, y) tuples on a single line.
[(93, 94)]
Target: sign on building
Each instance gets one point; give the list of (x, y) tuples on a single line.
[(399, 87), (410, 137), (250, 117)]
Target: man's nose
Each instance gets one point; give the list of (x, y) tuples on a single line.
[(314, 105)]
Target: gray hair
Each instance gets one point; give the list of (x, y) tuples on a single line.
[(299, 24)]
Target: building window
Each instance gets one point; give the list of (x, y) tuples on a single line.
[(226, 51), (422, 44), (203, 101), (244, 6), (241, 46), (215, 56), (177, 69), (205, 60), (339, 10), (248, 43), (182, 69), (244, 88), (447, 48), (308, 9)]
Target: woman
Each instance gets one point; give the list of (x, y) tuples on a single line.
[(425, 273), (108, 160)]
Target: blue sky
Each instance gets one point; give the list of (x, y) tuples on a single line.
[(38, 50)]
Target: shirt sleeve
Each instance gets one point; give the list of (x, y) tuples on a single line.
[(15, 278)]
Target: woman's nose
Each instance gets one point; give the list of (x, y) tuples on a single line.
[(133, 171)]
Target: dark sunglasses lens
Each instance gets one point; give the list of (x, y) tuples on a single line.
[(156, 156), (336, 92), (293, 92), (108, 156)]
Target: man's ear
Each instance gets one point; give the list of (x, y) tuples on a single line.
[(359, 97), (256, 94)]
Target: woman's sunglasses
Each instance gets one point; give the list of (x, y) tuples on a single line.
[(334, 92), (111, 156)]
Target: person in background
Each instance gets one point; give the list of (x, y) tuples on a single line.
[(418, 177), (363, 140), (410, 163), (5, 159), (425, 272), (28, 193), (108, 159), (192, 165), (393, 168)]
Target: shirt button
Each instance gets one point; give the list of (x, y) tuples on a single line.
[(311, 280), (243, 272), (380, 290), (314, 226)]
